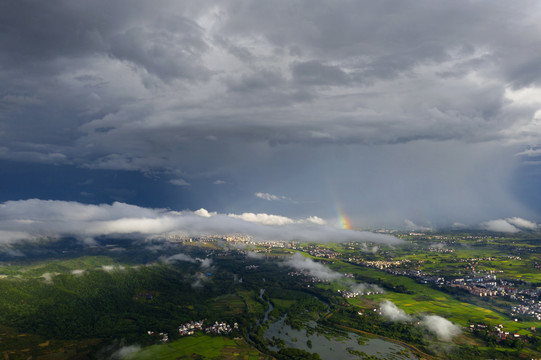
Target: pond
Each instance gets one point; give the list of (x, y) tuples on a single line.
[(350, 346)]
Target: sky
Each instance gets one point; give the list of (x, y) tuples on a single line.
[(406, 114)]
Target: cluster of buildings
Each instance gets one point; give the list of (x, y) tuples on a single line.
[(441, 250), (347, 294), (240, 239), (529, 307), (322, 252), (380, 264), (498, 331), (189, 327), (219, 328), (475, 260), (307, 277), (164, 336), (482, 285)]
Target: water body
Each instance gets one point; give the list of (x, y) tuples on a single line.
[(336, 348), (269, 309)]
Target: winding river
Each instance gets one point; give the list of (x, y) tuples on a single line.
[(269, 309), (351, 346)]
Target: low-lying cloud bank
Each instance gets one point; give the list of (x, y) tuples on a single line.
[(510, 225), (441, 327), (35, 218), (315, 269), (320, 271)]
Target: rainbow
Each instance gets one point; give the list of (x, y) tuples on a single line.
[(344, 221)]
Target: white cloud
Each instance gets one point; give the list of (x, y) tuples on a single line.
[(254, 255), (270, 197), (530, 152), (522, 223), (362, 288), (179, 182), (443, 328), (219, 182), (316, 220), (7, 237), (206, 263), (410, 225), (270, 219), (499, 225), (509, 225), (111, 268), (48, 277), (313, 268), (180, 257), (265, 219), (392, 312), (204, 213), (125, 352), (35, 218), (364, 248)]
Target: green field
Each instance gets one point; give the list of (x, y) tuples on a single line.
[(228, 305), (203, 346), (425, 299), (51, 311), (254, 306)]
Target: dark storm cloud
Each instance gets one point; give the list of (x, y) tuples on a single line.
[(418, 44), (214, 90), (35, 35), (315, 73)]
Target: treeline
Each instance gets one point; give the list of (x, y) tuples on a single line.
[(375, 324), (109, 304)]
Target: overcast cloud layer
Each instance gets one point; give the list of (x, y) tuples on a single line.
[(419, 110)]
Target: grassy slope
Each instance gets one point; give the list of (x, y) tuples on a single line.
[(209, 347)]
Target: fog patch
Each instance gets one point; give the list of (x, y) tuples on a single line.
[(315, 269), (367, 249), (111, 268), (392, 312), (11, 252), (410, 225), (88, 241), (125, 352), (49, 277), (8, 237), (179, 257), (199, 280), (443, 328), (205, 263), (364, 288), (254, 255)]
